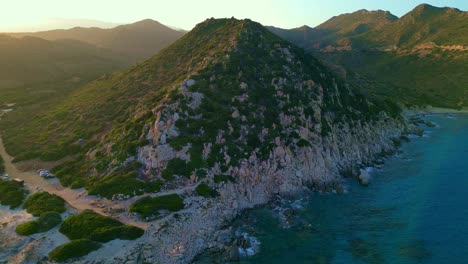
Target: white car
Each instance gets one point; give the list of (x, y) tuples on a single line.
[(6, 177)]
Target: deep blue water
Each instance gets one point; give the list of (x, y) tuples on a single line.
[(414, 211)]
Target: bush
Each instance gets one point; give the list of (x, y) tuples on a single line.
[(223, 178), (204, 190), (148, 206), (303, 143), (91, 225), (176, 167), (73, 249), (12, 193), (121, 183), (43, 202), (44, 223), (121, 232)]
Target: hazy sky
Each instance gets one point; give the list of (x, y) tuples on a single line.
[(187, 13)]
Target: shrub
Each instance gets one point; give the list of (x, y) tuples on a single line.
[(121, 232), (303, 143), (44, 223), (120, 182), (204, 190), (176, 167), (73, 249), (12, 193), (148, 206), (223, 178), (91, 225), (43, 202)]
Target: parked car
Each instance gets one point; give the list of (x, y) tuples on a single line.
[(6, 177), (45, 174)]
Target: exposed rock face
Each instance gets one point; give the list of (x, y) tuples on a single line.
[(286, 172)]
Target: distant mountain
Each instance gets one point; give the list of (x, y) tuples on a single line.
[(358, 22), (425, 23), (421, 57), (59, 23), (32, 60), (136, 41)]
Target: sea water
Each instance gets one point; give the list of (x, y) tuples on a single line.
[(414, 211)]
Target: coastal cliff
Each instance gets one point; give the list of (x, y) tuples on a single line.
[(205, 226)]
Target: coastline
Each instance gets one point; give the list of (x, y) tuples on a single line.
[(206, 225)]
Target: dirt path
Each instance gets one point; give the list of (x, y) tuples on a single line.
[(34, 182), (78, 199)]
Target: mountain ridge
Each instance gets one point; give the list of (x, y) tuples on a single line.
[(413, 57), (151, 36)]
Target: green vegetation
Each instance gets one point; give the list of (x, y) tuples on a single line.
[(222, 178), (148, 206), (205, 190), (90, 225), (303, 143), (73, 249), (44, 223), (124, 232), (12, 193), (43, 202), (2, 165), (121, 181)]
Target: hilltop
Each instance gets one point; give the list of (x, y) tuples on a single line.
[(413, 57)]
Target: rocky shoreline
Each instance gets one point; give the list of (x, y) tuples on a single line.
[(205, 225)]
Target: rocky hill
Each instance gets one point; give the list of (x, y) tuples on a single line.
[(136, 41), (229, 106)]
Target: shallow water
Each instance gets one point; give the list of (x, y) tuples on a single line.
[(414, 211)]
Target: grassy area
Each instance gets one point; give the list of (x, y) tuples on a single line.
[(44, 223), (43, 202), (90, 225), (12, 193), (73, 249), (148, 206)]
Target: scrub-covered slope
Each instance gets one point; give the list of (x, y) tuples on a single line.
[(227, 91)]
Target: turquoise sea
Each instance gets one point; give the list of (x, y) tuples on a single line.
[(414, 211)]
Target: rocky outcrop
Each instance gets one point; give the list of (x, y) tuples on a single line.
[(286, 172)]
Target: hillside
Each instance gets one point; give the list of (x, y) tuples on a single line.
[(420, 58), (136, 41), (232, 81), (425, 23), (358, 22), (36, 74)]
